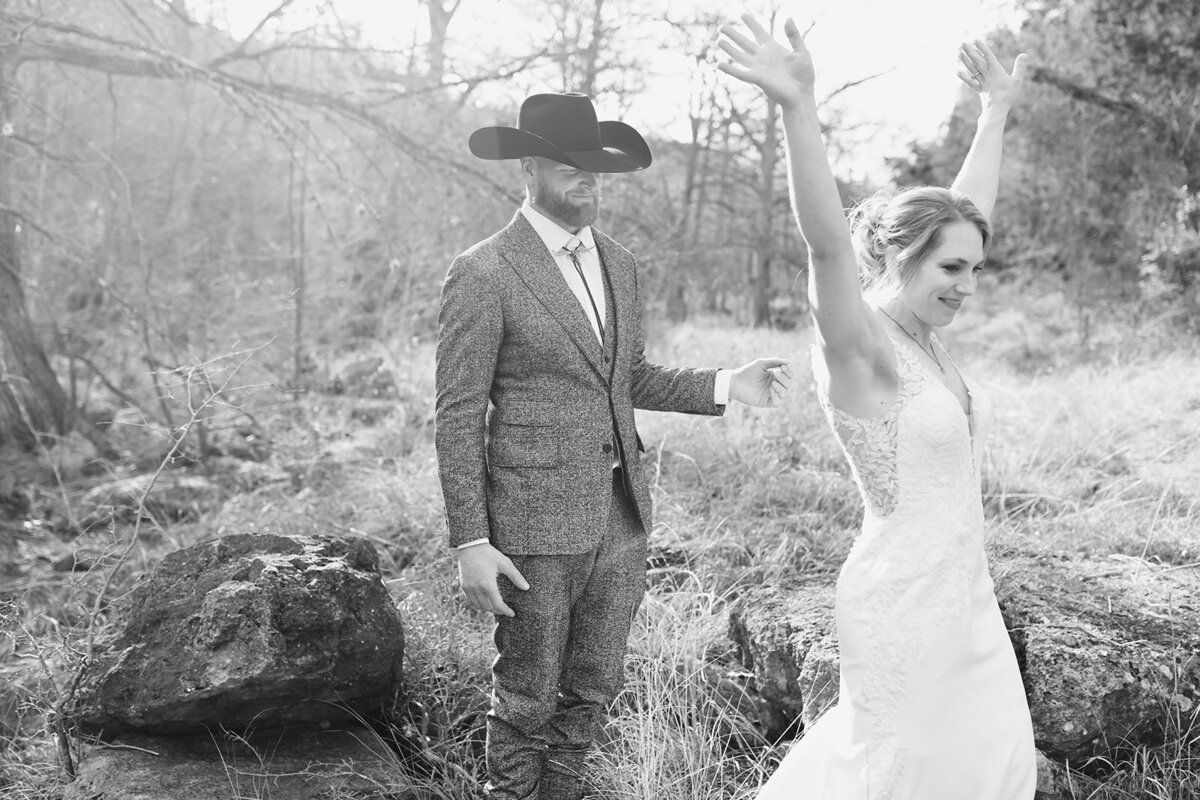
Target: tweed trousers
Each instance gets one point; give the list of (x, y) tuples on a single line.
[(561, 659)]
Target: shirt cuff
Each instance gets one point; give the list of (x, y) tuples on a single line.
[(472, 543), (721, 387)]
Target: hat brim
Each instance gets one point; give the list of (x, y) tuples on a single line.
[(622, 148)]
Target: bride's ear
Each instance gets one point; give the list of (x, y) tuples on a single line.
[(890, 255)]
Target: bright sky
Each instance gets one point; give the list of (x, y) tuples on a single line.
[(913, 43)]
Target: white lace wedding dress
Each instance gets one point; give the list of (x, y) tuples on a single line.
[(931, 705)]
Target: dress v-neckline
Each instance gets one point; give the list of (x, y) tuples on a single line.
[(969, 411)]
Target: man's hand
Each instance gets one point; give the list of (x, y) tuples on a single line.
[(763, 382), (479, 566)]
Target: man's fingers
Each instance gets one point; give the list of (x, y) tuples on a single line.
[(777, 368), (497, 605), (486, 599), (509, 570), (475, 598)]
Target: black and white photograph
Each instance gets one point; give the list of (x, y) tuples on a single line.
[(599, 400)]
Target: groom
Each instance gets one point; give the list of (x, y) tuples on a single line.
[(540, 365)]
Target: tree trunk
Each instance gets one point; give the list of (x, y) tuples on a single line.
[(591, 56), (296, 233), (764, 246), (32, 402), (1191, 167), (440, 14)]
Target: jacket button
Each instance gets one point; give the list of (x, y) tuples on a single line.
[(606, 447), (606, 358)]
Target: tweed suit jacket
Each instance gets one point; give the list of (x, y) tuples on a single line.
[(527, 406)]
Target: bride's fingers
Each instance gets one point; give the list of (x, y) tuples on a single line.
[(1019, 67), (795, 37), (733, 51), (760, 33), (968, 60), (736, 70), (738, 38), (986, 54), (792, 31)]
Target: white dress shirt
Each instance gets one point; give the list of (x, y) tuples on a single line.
[(556, 238)]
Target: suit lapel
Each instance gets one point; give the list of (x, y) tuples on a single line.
[(528, 257), (619, 271)]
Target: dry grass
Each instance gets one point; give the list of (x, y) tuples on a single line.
[(1095, 456), (682, 719)]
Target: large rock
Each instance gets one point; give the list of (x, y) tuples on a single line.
[(785, 635), (366, 377), (300, 765), (248, 628), (1108, 649)]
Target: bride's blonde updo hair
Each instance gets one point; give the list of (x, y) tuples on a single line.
[(911, 221)]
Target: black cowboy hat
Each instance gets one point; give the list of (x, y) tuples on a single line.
[(563, 128)]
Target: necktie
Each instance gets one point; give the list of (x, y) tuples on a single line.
[(572, 248)]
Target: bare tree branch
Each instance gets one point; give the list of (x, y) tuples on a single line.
[(146, 28), (851, 84), (1087, 94), (1178, 137), (38, 148), (240, 50), (150, 63), (24, 220), (177, 10)]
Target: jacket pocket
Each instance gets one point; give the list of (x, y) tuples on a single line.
[(521, 446)]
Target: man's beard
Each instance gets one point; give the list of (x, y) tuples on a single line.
[(562, 209)]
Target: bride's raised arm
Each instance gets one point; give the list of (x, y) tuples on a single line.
[(979, 176), (786, 75)]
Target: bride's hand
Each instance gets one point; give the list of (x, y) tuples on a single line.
[(786, 75), (983, 72)]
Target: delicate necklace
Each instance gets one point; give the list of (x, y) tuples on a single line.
[(929, 350)]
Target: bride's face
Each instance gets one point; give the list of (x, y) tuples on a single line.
[(946, 278)]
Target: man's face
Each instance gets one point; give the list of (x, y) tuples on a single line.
[(567, 195)]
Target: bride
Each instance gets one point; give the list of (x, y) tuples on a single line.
[(931, 703)]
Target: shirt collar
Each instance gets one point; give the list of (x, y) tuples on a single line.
[(552, 234)]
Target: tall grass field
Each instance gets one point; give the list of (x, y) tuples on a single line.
[(1093, 449)]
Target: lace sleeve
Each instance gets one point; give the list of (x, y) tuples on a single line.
[(870, 443)]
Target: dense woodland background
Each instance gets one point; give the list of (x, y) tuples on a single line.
[(172, 197)]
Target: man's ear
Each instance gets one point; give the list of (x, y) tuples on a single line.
[(529, 168)]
